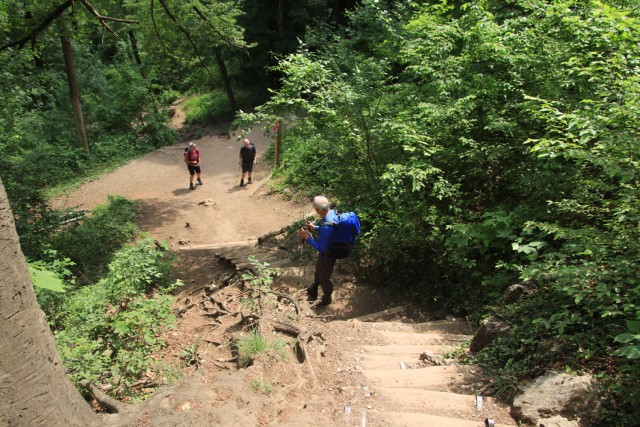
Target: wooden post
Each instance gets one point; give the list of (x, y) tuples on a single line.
[(278, 142)]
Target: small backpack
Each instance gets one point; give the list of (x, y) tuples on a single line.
[(186, 151), (344, 236)]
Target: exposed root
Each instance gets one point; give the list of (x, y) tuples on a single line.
[(106, 402)]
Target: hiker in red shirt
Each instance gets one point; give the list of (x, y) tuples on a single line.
[(192, 159)]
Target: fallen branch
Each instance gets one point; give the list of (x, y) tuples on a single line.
[(284, 229), (379, 314)]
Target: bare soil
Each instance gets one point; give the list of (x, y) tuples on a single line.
[(279, 388)]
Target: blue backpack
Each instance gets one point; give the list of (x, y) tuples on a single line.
[(344, 236)]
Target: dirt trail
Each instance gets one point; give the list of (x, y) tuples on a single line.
[(355, 373), (160, 181)]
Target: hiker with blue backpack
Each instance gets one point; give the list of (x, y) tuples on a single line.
[(192, 159), (336, 236)]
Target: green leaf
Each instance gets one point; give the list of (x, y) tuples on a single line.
[(120, 327), (633, 326), (45, 279), (629, 351)]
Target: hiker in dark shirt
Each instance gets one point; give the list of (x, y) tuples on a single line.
[(248, 158), (192, 159), (325, 263)]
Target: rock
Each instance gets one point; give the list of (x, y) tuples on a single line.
[(512, 294), (432, 359), (555, 394), (557, 421), (207, 202), (183, 242), (490, 329)]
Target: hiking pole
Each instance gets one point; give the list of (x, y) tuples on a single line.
[(300, 267), (301, 253)]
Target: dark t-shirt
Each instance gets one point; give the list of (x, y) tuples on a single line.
[(248, 154)]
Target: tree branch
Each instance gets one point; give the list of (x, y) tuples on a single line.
[(186, 33), (101, 18), (155, 28), (40, 28), (56, 13), (224, 38)]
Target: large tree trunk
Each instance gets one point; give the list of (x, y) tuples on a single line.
[(74, 89), (34, 389)]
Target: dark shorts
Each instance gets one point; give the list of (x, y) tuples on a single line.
[(247, 166), (193, 169)]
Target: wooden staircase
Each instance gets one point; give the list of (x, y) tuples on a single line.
[(411, 393)]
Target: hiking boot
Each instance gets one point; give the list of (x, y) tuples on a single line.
[(312, 293), (324, 301), (249, 182), (199, 181), (241, 182), (191, 186)]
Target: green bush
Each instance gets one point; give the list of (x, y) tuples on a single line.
[(91, 243), (107, 332), (206, 108)]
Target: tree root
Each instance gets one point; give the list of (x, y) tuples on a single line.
[(106, 402), (303, 337), (293, 301)]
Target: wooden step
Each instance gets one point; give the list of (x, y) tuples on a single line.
[(451, 340), (430, 378), (410, 419), (389, 361), (220, 247), (445, 404), (403, 350), (438, 326)]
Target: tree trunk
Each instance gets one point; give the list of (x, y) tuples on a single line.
[(225, 79), (282, 13), (73, 86), (34, 389), (134, 47)]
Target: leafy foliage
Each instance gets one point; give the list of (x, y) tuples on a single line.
[(497, 148), (108, 331), (90, 243)]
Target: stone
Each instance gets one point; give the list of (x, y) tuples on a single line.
[(489, 330), (512, 294), (555, 394), (432, 359), (557, 421)]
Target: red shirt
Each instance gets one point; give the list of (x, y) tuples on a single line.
[(192, 156)]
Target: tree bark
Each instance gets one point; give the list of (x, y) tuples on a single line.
[(74, 89), (282, 13), (225, 79), (134, 47), (34, 389)]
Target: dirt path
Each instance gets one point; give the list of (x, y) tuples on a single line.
[(160, 181)]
